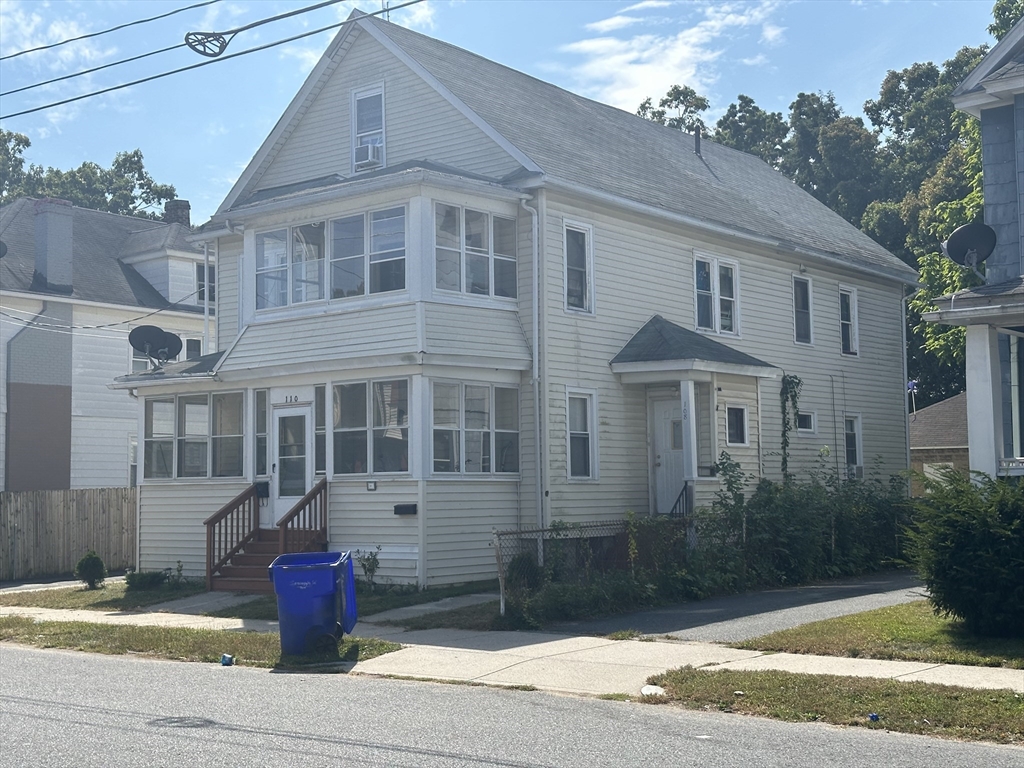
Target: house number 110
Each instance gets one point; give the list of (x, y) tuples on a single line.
[(291, 398)]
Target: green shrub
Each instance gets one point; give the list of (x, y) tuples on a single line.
[(91, 570), (523, 574), (967, 543), (138, 581)]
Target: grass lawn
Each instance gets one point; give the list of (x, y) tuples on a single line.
[(203, 645), (907, 707), (909, 632), (482, 618), (113, 596), (369, 603)]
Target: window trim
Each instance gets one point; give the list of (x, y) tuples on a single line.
[(461, 429), (810, 310), (716, 296), (746, 425), (369, 429), (854, 322), (590, 395), (202, 282), (491, 255), (209, 438), (814, 422), (589, 293), (361, 93), (859, 432)]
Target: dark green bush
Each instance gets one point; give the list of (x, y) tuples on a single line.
[(143, 580), (523, 574), (967, 543), (91, 570)]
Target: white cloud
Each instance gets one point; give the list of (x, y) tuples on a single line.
[(419, 17), (771, 34), (306, 55), (645, 4), (613, 23), (624, 70), (755, 61)]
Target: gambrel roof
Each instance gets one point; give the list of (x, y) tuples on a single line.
[(564, 140)]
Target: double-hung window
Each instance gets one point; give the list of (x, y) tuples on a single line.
[(475, 428), (715, 284), (368, 130), (581, 438), (736, 425), (802, 330), (579, 269), (206, 282), (194, 436), (371, 427), (477, 245), (854, 448), (848, 320)]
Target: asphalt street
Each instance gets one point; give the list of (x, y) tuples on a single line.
[(60, 708), (736, 618)]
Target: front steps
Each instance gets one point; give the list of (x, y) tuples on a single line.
[(247, 571)]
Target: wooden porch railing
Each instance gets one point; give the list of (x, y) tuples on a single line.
[(305, 525), (230, 529)]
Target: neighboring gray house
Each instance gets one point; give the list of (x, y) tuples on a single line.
[(938, 439), (73, 283), (454, 298), (994, 313)]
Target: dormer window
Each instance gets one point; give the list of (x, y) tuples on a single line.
[(368, 130)]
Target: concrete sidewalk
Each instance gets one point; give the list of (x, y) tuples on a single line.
[(562, 663)]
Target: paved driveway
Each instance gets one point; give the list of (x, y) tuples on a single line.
[(740, 617)]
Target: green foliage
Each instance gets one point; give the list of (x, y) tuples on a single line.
[(91, 570), (140, 581), (1005, 13), (687, 103), (125, 188), (523, 574), (369, 562), (747, 127), (790, 396), (967, 543)]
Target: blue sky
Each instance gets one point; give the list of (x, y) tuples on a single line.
[(197, 130)]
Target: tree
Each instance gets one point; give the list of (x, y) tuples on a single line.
[(687, 103), (124, 188), (747, 127), (849, 154), (1005, 13), (801, 158)]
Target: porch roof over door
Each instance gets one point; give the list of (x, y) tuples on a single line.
[(663, 350)]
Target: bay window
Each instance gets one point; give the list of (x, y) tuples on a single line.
[(371, 427), (477, 245), (475, 428), (194, 436)]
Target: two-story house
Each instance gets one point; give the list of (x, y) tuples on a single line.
[(993, 314), (73, 283), (465, 299)]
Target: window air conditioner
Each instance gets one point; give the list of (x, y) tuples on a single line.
[(368, 156)]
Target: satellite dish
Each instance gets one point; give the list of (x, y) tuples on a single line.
[(3, 249), (970, 244), (155, 342)]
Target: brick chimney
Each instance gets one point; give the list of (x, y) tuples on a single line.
[(53, 245), (178, 211)]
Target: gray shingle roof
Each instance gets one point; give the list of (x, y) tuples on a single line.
[(99, 240), (584, 142), (660, 340), (197, 366), (942, 425)]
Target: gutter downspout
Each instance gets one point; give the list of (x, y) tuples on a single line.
[(906, 373), (535, 371)]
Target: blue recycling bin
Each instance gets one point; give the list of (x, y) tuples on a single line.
[(316, 598)]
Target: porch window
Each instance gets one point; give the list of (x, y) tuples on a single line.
[(736, 425), (580, 436), (262, 421), (854, 453), (475, 244), (848, 320), (802, 332), (194, 436), (308, 262), (579, 269), (475, 428), (717, 295), (377, 442), (227, 435), (320, 429), (158, 448)]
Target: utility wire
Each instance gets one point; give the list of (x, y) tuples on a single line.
[(230, 33), (105, 325), (206, 63), (106, 31)]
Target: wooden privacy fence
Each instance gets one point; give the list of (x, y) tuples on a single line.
[(45, 533)]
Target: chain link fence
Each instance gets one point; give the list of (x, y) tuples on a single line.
[(566, 554)]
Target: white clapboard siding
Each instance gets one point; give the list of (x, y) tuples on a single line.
[(452, 329), (181, 281), (155, 271), (229, 253), (9, 328), (171, 524), (461, 517), (419, 124), (739, 391), (338, 336), (361, 520)]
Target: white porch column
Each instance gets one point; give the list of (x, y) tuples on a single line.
[(689, 404), (984, 399)]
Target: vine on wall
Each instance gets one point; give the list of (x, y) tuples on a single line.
[(790, 395)]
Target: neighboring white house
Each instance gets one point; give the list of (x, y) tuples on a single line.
[(73, 283), (472, 300), (993, 314)]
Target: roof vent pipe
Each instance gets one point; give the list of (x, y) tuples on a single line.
[(696, 140)]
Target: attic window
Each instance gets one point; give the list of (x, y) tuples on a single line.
[(368, 130)]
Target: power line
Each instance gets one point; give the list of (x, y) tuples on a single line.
[(105, 325), (107, 31), (203, 63), (230, 36)]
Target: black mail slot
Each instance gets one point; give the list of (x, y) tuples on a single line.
[(405, 509), (263, 489)]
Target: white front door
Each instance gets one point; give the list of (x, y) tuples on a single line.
[(292, 460), (668, 454)]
